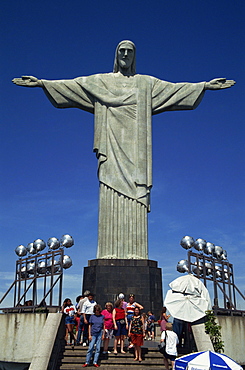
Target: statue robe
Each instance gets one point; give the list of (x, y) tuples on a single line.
[(123, 108)]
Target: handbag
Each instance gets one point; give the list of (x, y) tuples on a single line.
[(162, 345)]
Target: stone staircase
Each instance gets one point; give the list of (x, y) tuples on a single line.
[(151, 358)]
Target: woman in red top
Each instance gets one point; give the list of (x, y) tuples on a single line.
[(120, 325)]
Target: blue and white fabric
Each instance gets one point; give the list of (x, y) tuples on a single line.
[(207, 360)]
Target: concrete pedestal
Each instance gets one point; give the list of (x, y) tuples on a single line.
[(106, 278)]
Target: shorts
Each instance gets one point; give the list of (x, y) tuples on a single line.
[(150, 327), (121, 329), (108, 333), (170, 357), (137, 339), (129, 318), (70, 320)]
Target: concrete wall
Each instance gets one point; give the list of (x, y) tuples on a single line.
[(233, 335), (19, 334), (28, 338)]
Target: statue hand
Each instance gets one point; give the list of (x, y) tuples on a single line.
[(219, 83), (28, 81)]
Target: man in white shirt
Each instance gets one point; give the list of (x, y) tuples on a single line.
[(83, 299), (87, 311)]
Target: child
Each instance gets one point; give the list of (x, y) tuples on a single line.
[(170, 351), (96, 334), (150, 325)]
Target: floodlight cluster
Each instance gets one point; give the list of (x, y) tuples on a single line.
[(40, 263), (201, 245), (39, 245), (216, 254)]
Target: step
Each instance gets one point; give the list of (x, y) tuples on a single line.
[(114, 361), (74, 358), (135, 366), (115, 367)]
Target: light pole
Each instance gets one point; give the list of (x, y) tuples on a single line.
[(35, 265), (210, 263)]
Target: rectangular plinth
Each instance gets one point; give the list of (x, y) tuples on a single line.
[(106, 278)]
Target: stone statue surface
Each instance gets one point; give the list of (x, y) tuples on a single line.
[(123, 103)]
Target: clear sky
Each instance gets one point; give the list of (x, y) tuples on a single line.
[(48, 181)]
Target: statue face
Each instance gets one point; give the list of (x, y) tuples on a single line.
[(125, 55)]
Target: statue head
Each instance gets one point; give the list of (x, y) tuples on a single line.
[(125, 57)]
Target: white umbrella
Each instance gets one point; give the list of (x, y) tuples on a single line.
[(207, 360), (188, 300)]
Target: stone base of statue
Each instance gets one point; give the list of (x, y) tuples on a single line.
[(106, 278)]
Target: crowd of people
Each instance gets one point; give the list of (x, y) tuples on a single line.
[(87, 324)]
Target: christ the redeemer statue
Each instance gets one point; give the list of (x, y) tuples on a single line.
[(123, 103)]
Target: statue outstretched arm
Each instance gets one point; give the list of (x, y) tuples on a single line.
[(219, 83), (28, 81)]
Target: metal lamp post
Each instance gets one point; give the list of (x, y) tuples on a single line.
[(210, 263), (36, 265)]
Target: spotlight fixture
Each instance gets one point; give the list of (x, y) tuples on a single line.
[(187, 242)]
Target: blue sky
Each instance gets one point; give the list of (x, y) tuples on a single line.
[(48, 181)]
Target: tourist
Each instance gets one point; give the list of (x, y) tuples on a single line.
[(171, 340), (77, 315), (137, 333), (120, 325), (178, 327), (28, 303), (163, 319), (121, 296), (87, 311), (77, 300), (69, 310), (130, 310), (96, 334), (150, 325), (82, 300), (108, 325), (144, 315)]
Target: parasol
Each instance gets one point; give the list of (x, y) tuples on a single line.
[(188, 298), (207, 360)]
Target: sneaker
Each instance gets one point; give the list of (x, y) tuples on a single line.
[(84, 344), (85, 365), (96, 365), (108, 351), (104, 352)]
